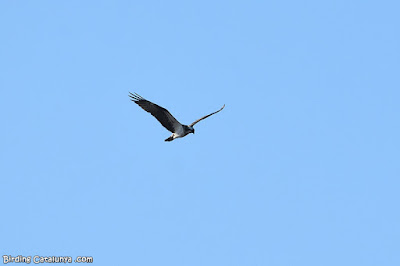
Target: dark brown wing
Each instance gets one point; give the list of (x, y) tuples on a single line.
[(161, 114), (204, 117)]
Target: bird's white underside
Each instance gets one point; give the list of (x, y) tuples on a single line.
[(179, 133)]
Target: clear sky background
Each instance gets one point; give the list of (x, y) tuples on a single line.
[(302, 166)]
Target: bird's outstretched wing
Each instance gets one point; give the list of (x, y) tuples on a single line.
[(204, 117), (161, 114)]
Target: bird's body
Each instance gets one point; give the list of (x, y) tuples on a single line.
[(180, 133), (165, 118)]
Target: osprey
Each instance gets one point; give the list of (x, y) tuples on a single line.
[(165, 118)]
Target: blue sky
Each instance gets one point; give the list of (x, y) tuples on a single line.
[(300, 168)]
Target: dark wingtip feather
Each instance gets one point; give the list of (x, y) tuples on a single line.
[(135, 97)]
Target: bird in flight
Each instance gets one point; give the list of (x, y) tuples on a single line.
[(165, 118)]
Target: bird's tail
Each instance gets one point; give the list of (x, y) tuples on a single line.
[(171, 138)]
